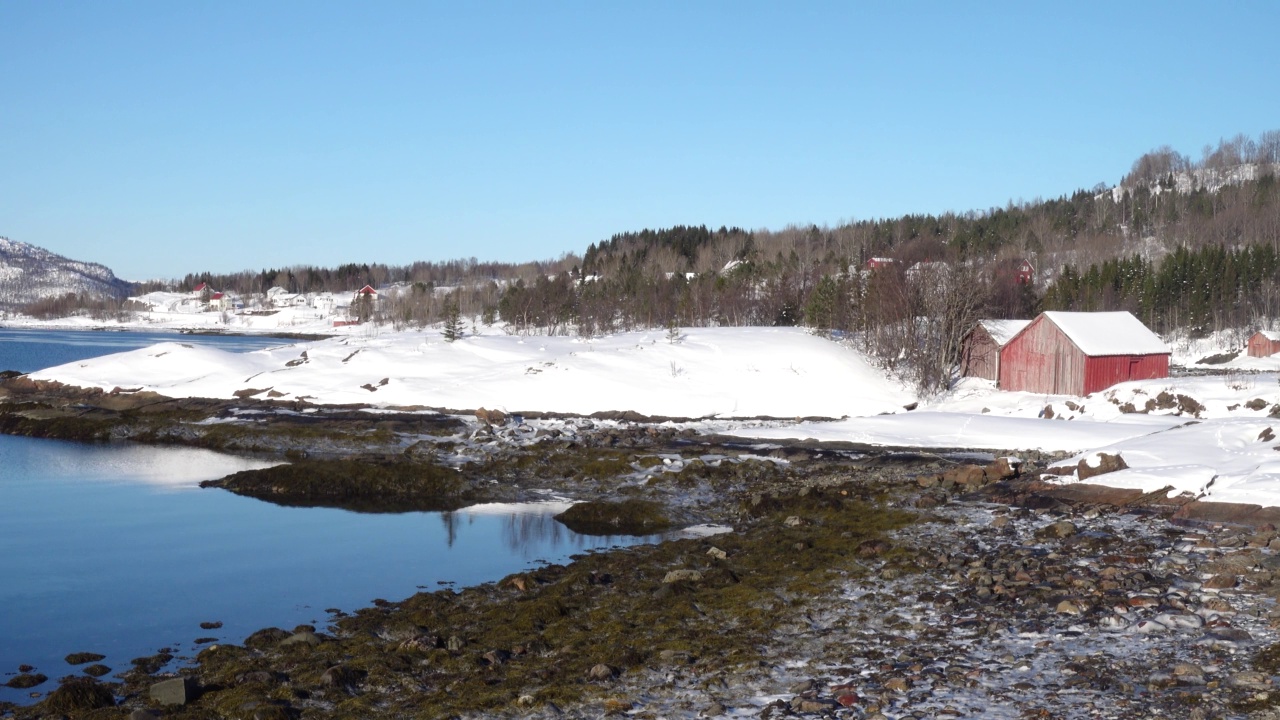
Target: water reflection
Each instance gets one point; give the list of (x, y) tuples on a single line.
[(171, 468), (527, 525), (100, 554)]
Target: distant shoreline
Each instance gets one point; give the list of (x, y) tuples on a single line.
[(9, 325)]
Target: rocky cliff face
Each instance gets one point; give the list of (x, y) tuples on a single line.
[(29, 273)]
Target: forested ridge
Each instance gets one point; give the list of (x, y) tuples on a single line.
[(1182, 243)]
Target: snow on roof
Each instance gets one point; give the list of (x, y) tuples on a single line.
[(1271, 335), (1108, 333), (1002, 331)]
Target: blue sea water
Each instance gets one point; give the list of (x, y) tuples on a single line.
[(114, 549)]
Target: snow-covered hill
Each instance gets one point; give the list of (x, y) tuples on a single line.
[(29, 273)]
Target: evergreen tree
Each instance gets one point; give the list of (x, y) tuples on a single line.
[(453, 327)]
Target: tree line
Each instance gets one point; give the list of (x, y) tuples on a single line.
[(1182, 243), (1203, 290)]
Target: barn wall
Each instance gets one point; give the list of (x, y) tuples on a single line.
[(1041, 359), (981, 356), (1102, 372), (1261, 346)]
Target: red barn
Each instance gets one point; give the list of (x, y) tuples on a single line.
[(1077, 353), (1264, 343), (980, 349)]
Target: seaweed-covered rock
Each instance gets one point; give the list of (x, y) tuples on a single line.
[(79, 695), (80, 658), (265, 638), (23, 681), (628, 517), (152, 663), (370, 485)]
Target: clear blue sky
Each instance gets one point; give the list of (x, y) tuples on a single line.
[(162, 138)]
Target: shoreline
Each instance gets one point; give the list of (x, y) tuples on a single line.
[(825, 539), (164, 330), (529, 645)]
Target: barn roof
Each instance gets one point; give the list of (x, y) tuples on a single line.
[(1108, 333), (1271, 335), (1002, 331)]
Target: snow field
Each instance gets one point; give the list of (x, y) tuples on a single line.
[(1210, 436), (714, 372)]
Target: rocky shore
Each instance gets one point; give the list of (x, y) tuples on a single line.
[(848, 585)]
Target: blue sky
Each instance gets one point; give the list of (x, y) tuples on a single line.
[(162, 138)]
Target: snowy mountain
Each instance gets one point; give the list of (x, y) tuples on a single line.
[(29, 273)]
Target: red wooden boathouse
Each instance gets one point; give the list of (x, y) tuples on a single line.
[(1264, 343), (980, 348), (1077, 353)]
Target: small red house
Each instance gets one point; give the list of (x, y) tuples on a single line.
[(1026, 272), (1077, 353), (879, 262), (980, 349), (1264, 343)]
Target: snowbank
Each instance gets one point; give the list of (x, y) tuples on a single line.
[(723, 372)]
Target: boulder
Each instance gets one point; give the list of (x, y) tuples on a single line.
[(1003, 468), (970, 476), (174, 691), (1060, 529), (1106, 463), (305, 637), (682, 576)]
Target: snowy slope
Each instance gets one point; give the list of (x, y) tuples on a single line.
[(724, 372), (29, 273)]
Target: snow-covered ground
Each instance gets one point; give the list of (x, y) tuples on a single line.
[(1212, 436), (713, 372)]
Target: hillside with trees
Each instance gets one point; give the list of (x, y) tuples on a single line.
[(1184, 244)]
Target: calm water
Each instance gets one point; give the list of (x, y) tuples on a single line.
[(114, 549), (30, 350)]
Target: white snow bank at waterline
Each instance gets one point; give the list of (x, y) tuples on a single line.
[(724, 372)]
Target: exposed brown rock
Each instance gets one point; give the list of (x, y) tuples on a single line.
[(1107, 463)]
